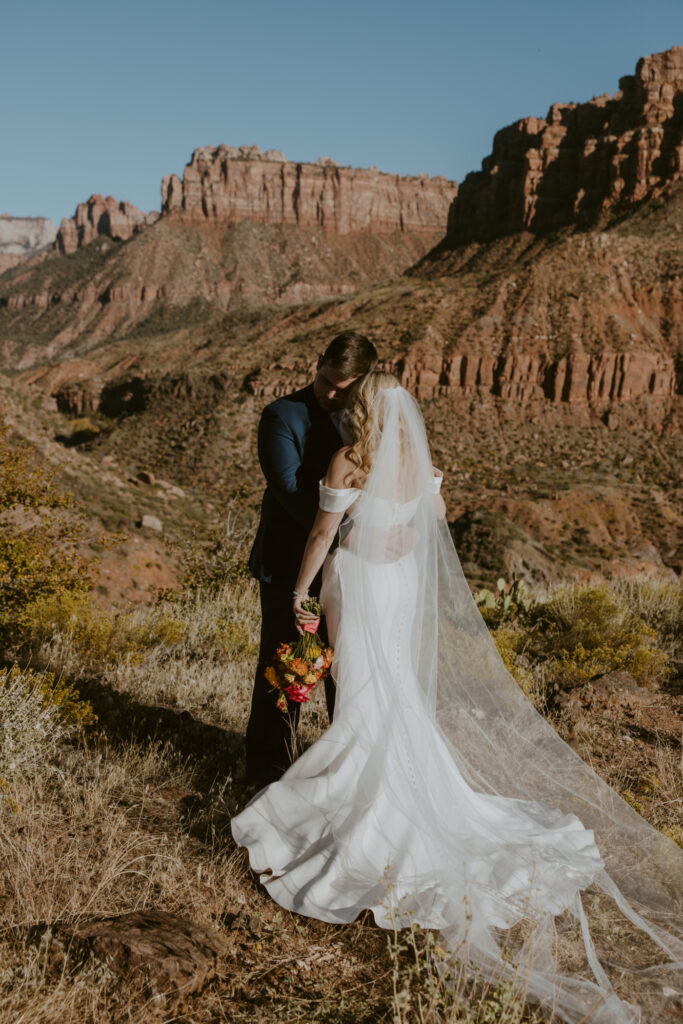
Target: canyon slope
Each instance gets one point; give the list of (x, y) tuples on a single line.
[(540, 326)]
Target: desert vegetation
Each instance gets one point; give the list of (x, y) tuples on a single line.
[(121, 765)]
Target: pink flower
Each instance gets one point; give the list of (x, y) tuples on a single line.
[(299, 694)]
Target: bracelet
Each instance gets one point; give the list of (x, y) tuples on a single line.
[(297, 593)]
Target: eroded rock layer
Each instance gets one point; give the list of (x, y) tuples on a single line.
[(226, 185)]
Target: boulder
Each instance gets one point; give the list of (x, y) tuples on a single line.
[(148, 522), (177, 956)]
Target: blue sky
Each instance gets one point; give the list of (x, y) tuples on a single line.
[(109, 97)]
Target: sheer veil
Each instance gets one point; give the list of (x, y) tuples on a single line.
[(544, 907)]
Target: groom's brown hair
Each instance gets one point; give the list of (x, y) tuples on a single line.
[(351, 354)]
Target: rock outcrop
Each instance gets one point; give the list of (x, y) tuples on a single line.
[(578, 378), (580, 162), (175, 956), (579, 381), (21, 237), (226, 185), (100, 216)]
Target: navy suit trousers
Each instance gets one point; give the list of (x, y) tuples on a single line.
[(270, 732)]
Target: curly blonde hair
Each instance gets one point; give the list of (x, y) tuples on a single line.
[(365, 420)]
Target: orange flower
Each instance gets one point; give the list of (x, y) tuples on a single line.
[(271, 675), (299, 666)]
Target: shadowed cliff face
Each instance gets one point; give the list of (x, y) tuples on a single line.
[(582, 161)]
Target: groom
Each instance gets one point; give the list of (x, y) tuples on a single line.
[(298, 435)]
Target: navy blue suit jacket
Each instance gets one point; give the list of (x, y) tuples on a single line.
[(296, 440)]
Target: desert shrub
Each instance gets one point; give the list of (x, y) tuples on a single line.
[(588, 630), (659, 603), (41, 530), (83, 429), (578, 632), (36, 713), (81, 634), (572, 668), (99, 636), (511, 642)]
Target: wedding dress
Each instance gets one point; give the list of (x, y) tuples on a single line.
[(438, 795)]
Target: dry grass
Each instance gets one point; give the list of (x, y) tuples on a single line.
[(120, 822)]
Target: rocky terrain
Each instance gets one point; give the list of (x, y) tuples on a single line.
[(545, 345)]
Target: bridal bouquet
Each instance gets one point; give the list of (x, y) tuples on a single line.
[(299, 665)]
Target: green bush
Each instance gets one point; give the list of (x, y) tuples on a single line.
[(587, 630), (41, 530), (511, 642), (582, 631), (101, 636)]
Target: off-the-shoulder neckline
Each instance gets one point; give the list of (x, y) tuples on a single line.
[(347, 490), (340, 490)]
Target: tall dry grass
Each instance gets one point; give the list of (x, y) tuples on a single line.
[(95, 824)]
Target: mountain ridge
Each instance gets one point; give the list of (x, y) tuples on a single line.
[(565, 340)]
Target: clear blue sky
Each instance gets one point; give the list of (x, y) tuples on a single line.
[(109, 97)]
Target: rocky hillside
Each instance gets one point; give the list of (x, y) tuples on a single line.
[(548, 360), (242, 229)]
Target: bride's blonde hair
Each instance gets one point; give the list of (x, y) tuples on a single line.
[(365, 418)]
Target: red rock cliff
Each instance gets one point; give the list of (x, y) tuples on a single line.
[(100, 216), (226, 185), (581, 161)]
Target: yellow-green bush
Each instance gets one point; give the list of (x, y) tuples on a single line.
[(215, 628), (584, 631), (101, 636), (84, 425), (232, 640), (41, 531), (572, 668), (579, 632), (511, 641)]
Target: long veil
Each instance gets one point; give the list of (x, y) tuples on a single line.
[(582, 889)]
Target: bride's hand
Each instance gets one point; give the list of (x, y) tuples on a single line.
[(301, 615)]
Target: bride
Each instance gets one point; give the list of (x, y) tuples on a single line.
[(439, 796)]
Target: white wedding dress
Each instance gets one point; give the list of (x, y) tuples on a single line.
[(435, 796)]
